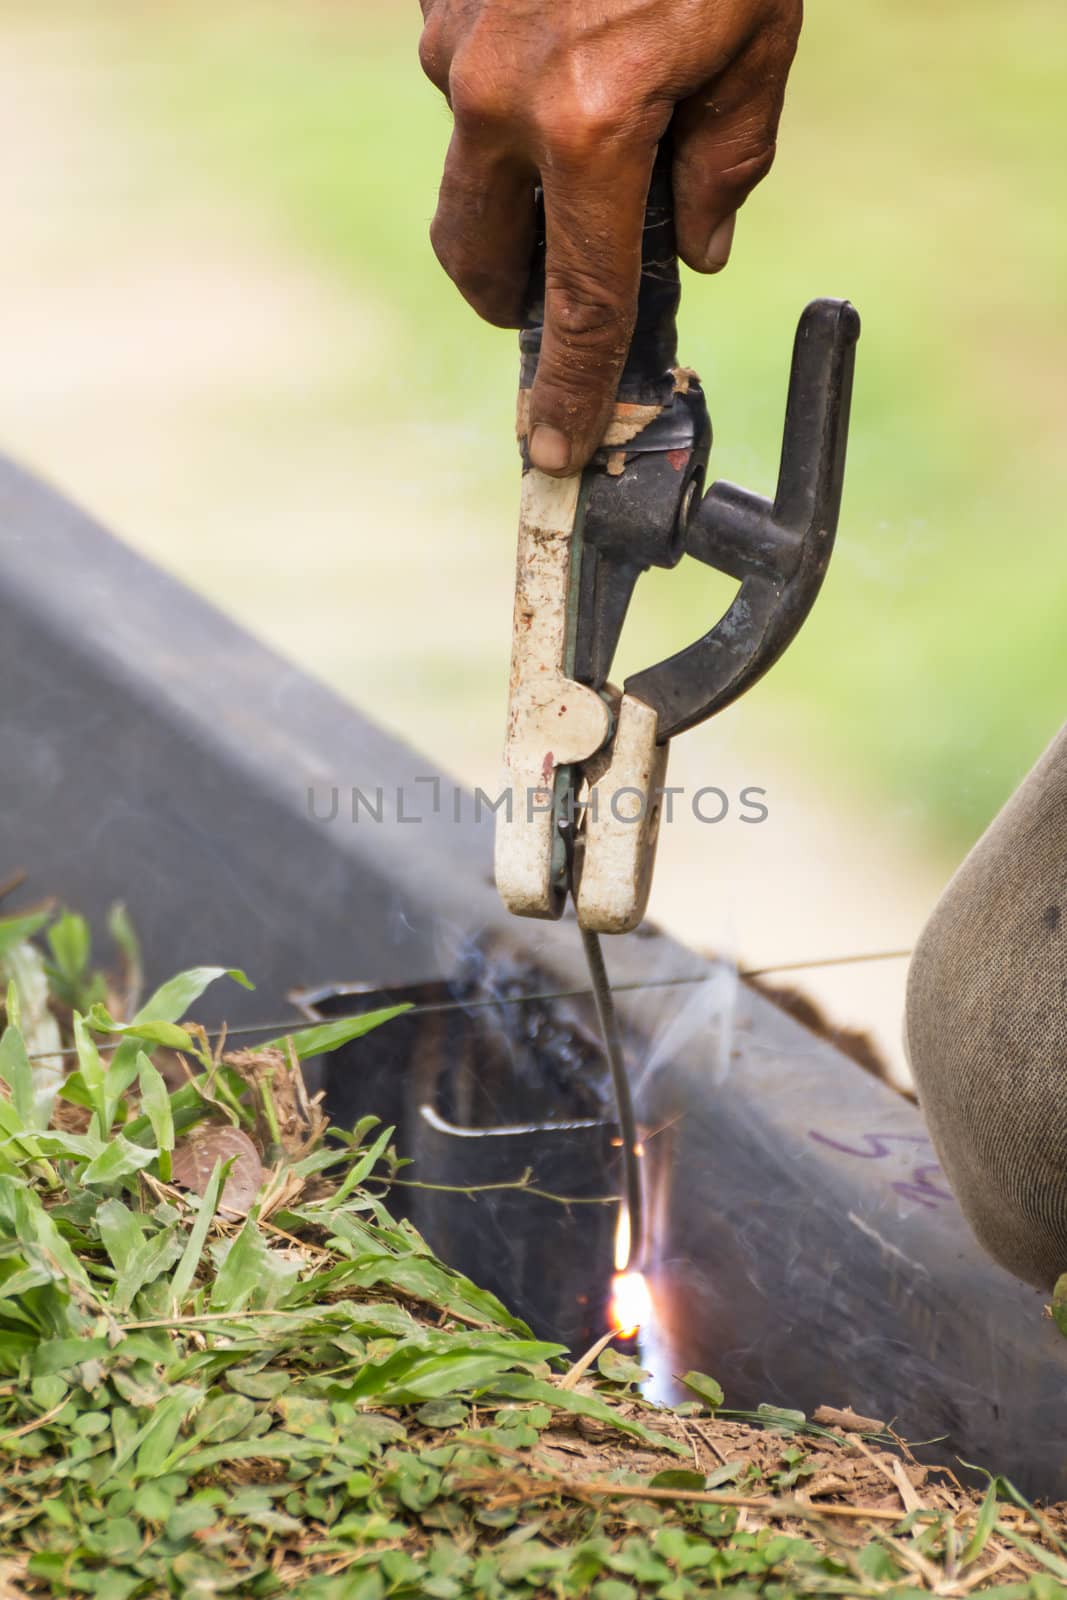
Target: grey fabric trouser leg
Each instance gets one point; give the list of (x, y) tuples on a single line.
[(987, 1027)]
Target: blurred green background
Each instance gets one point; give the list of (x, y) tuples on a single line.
[(920, 165), (223, 327)]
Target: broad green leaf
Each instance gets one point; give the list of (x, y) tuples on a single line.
[(169, 1002), (708, 1390), (16, 930), (28, 988), (186, 1270), (251, 1273), (520, 1386), (777, 1416), (318, 1161), (155, 1503), (446, 1413), (619, 1368), (32, 1221), (410, 1376), (16, 1138), (120, 1159), (120, 1230), (17, 1073), (155, 1255), (59, 1355), (428, 1280), (983, 1527), (678, 1478), (91, 1068), (152, 1443), (258, 1385), (273, 1447), (1053, 1563), (167, 1034), (70, 978), (173, 998), (187, 1107), (81, 1146), (227, 1416), (326, 1036), (75, 1091), (361, 1168), (729, 1472), (120, 1073), (311, 1419), (70, 943), (155, 1103)]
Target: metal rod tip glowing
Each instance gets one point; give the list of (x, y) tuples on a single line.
[(623, 1239), (631, 1303)]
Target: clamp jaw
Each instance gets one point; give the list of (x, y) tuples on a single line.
[(585, 762)]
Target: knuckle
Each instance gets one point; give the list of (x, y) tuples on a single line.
[(742, 150), (580, 126), (585, 311), (433, 54), (749, 163), (590, 109), (481, 96)]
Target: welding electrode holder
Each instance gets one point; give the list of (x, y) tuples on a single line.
[(583, 543)]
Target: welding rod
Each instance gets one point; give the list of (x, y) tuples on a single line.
[(609, 1027)]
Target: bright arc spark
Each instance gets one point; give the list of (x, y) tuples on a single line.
[(631, 1303)]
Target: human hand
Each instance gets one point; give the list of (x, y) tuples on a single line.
[(576, 95)]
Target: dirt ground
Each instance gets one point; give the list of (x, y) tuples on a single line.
[(855, 1482), (169, 365)]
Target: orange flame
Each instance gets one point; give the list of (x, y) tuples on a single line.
[(631, 1302)]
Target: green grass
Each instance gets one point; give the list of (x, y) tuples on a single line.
[(240, 1375), (918, 174)]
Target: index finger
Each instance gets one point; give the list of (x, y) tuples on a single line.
[(594, 220)]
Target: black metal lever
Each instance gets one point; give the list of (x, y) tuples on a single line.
[(641, 504), (778, 552)]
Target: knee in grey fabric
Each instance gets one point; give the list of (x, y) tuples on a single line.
[(987, 1027)]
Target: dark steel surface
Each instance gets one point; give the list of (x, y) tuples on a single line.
[(154, 752), (547, 1259), (806, 1244), (505, 1117)]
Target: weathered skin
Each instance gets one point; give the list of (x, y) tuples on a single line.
[(576, 95)]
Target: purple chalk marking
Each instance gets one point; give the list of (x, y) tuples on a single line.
[(878, 1143), (921, 1187)]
